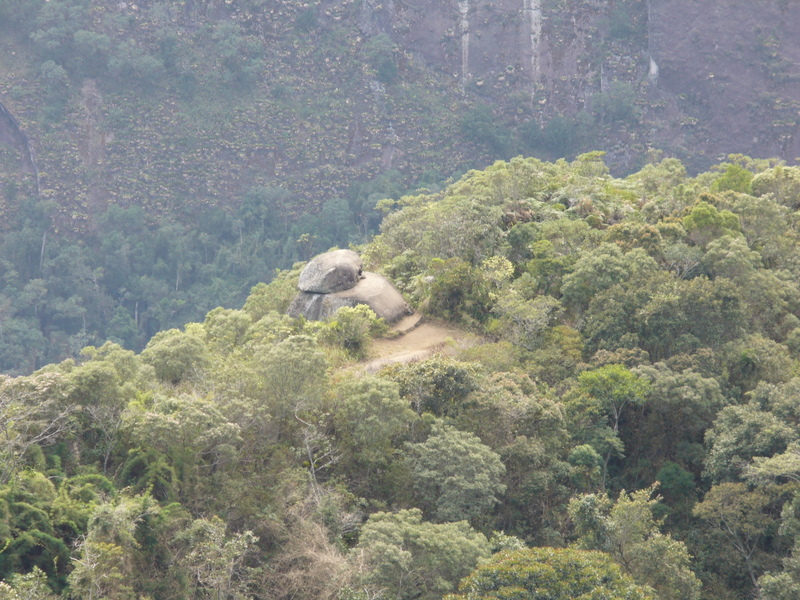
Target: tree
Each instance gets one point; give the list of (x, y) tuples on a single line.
[(369, 417), (106, 558), (601, 269), (194, 435), (782, 182), (239, 54), (175, 355), (30, 586), (226, 329), (681, 406), (480, 126), (410, 558), (616, 103), (784, 465), (741, 433), (766, 225), (705, 223), (615, 387), (290, 378), (745, 517), (459, 226), (33, 412), (757, 359), (439, 385), (352, 328), (510, 414), (27, 528), (525, 322), (273, 296), (550, 574), (379, 52), (730, 257), (629, 532), (785, 585), (455, 476), (665, 315), (215, 561), (735, 178), (456, 291), (597, 408)]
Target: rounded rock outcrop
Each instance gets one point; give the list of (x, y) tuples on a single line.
[(340, 272)]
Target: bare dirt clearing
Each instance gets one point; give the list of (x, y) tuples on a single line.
[(418, 343)]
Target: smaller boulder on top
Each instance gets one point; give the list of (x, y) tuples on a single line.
[(331, 272)]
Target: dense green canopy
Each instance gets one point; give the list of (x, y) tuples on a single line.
[(617, 417)]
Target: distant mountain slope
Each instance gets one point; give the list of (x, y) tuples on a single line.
[(176, 105)]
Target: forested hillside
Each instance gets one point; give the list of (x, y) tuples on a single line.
[(159, 158), (626, 422)]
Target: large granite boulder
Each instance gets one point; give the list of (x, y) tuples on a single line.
[(331, 272), (372, 289)]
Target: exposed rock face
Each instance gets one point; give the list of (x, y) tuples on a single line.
[(735, 68), (370, 288), (331, 272), (711, 78), (12, 135)]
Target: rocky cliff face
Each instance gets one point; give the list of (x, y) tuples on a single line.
[(732, 68), (345, 91), (488, 46), (710, 78)]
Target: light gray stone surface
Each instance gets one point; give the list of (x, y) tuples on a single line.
[(372, 289), (331, 272)]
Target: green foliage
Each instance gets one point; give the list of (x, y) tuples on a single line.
[(215, 563), (602, 269), (456, 477), (30, 538), (379, 51), (776, 585), (370, 418), (411, 558), (552, 574), (18, 14), (454, 290), (175, 355), (746, 517), (742, 432), (783, 183), (352, 328), (630, 331), (131, 65), (628, 531), (480, 126), (682, 405), (238, 53), (32, 586), (616, 103), (526, 322), (705, 223), (438, 385), (614, 387), (597, 408), (193, 435), (734, 178), (33, 412), (274, 296), (290, 376)]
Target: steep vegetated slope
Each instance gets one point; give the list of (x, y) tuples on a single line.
[(175, 154), (629, 429)]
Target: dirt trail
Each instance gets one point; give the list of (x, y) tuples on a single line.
[(416, 344)]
